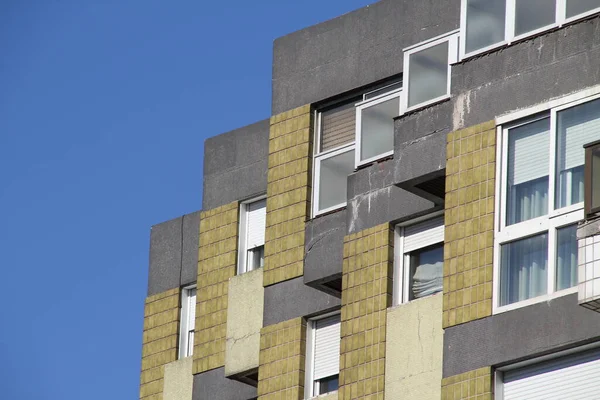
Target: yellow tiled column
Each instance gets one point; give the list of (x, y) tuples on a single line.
[(216, 264), (472, 385), (469, 220), (161, 325), (366, 294), (282, 361), (288, 194)]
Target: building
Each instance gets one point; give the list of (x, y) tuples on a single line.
[(408, 224)]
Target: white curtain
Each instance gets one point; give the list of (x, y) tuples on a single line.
[(427, 267), (566, 258), (524, 269)]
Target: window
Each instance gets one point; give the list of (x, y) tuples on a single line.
[(541, 189), (323, 355), (419, 261), (592, 178), (427, 66), (251, 254), (187, 321), (486, 24)]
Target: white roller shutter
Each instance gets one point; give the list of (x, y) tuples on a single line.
[(338, 126), (423, 234), (577, 126), (528, 152), (257, 216), (574, 377), (327, 347)]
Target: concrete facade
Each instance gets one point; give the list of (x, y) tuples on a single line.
[(244, 321), (446, 346), (413, 359)]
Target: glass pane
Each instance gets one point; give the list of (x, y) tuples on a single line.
[(528, 164), (329, 384), (377, 128), (485, 23), (256, 258), (575, 7), (523, 270), (566, 257), (595, 178), (333, 179), (426, 271), (576, 126), (533, 14), (428, 74)]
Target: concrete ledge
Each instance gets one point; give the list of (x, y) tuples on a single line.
[(179, 380), (244, 320), (212, 385)]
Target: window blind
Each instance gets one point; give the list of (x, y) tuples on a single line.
[(256, 219), (338, 126), (577, 126), (327, 347), (423, 234), (191, 312), (528, 152)]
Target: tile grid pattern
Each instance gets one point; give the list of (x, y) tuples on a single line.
[(217, 258), (366, 293), (282, 361), (288, 194), (469, 224), (589, 272), (472, 385), (161, 327)]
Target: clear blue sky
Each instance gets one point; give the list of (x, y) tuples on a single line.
[(104, 108)]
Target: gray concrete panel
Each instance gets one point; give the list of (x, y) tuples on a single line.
[(189, 254), (519, 334), (525, 74), (235, 165), (323, 249), (355, 49), (165, 256), (292, 299), (212, 385)]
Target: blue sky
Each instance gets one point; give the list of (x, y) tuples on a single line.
[(104, 108)]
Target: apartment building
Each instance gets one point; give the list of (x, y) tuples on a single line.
[(416, 220)]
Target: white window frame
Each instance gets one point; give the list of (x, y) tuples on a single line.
[(401, 282), (550, 223), (310, 386), (452, 38), (360, 107), (509, 26), (242, 265), (186, 343)]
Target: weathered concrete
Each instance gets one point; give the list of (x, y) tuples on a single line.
[(519, 334), (292, 299), (212, 385), (245, 302), (173, 253), (235, 165), (354, 50), (414, 347), (178, 381)]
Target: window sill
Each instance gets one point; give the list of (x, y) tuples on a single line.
[(329, 395), (534, 300)]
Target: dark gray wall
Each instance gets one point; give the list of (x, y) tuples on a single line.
[(292, 299), (235, 165), (212, 385), (173, 253), (354, 50), (519, 334), (324, 245)]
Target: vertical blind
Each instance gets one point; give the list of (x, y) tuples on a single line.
[(528, 152), (257, 215), (327, 347), (338, 126), (424, 234)]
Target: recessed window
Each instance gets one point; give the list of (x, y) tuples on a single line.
[(323, 356), (419, 260), (486, 24), (428, 69), (187, 321), (542, 190), (251, 254)]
